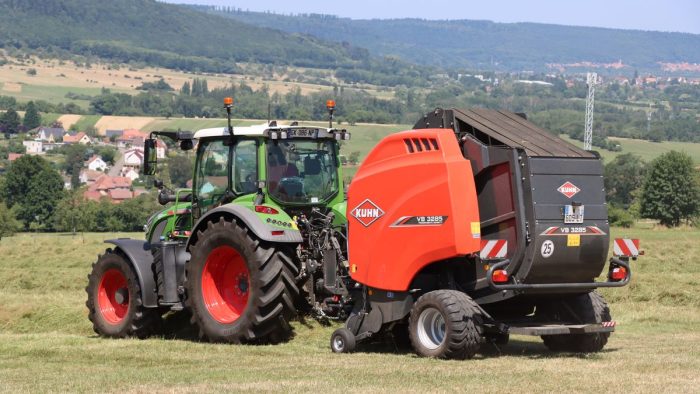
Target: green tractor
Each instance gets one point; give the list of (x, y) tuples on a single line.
[(258, 238)]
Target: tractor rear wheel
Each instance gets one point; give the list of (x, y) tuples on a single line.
[(239, 288), (114, 300), (582, 309), (445, 324)]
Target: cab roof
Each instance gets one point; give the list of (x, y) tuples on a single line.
[(264, 130)]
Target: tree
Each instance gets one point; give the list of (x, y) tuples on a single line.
[(670, 192), (180, 170), (33, 188), (32, 119), (108, 154), (8, 223), (74, 157), (10, 121), (74, 213), (185, 88), (623, 176)]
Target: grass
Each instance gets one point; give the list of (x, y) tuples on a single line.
[(46, 341), (87, 121), (646, 149)]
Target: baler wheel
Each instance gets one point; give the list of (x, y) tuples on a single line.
[(445, 324), (114, 300), (582, 309), (343, 341), (240, 289)]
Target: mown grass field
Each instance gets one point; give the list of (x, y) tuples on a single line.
[(46, 341)]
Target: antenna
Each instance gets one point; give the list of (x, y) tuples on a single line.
[(228, 104), (591, 79)]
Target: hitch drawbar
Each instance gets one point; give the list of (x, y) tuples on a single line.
[(558, 329)]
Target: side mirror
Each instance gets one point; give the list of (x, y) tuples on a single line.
[(150, 157)]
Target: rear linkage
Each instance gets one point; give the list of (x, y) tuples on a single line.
[(324, 266)]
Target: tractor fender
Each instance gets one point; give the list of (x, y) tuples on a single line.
[(261, 229), (138, 253)]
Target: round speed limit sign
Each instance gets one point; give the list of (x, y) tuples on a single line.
[(547, 248)]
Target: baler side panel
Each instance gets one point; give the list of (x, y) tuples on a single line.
[(412, 202)]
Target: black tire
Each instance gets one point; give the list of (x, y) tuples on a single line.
[(343, 341), (582, 309), (460, 338), (134, 320), (271, 291)]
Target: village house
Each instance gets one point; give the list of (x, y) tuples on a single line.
[(130, 173), (89, 176), (131, 138), (95, 163), (35, 147), (50, 134), (112, 135), (133, 158), (77, 138), (115, 189)]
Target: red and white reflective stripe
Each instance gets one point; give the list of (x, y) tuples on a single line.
[(608, 324), (493, 249), (626, 247)]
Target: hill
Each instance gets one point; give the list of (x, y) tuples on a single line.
[(487, 45), (157, 33)]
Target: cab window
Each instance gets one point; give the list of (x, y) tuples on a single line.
[(245, 167), (212, 174)]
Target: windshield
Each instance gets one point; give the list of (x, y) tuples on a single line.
[(301, 171)]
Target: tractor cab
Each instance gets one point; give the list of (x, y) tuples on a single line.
[(284, 165), (280, 166)]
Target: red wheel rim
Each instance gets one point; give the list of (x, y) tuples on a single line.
[(225, 284), (113, 296)]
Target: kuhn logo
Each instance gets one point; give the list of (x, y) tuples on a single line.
[(568, 189), (367, 212)]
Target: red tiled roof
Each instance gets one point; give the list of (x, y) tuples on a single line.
[(120, 194), (14, 156), (133, 133), (92, 195), (68, 139), (92, 175), (121, 182)]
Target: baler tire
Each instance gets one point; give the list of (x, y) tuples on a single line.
[(108, 316), (462, 321), (343, 341), (265, 306), (583, 309)]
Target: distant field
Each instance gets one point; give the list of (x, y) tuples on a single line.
[(46, 341), (69, 120), (646, 149), (55, 78), (86, 121), (121, 123)]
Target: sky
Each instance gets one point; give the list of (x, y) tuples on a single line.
[(660, 15)]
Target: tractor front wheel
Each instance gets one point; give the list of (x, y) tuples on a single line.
[(239, 288), (445, 324), (114, 300)]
